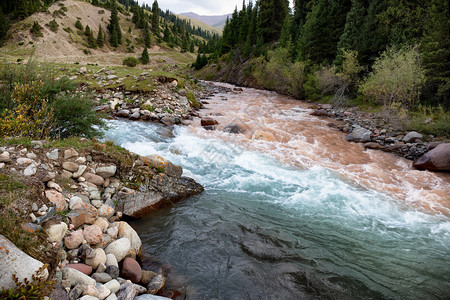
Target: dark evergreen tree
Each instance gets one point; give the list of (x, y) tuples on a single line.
[(351, 38), (245, 24), (436, 53), (91, 40), (374, 37), (21, 9), (271, 16), (78, 25), (87, 30), (155, 18), (147, 38), (285, 39), (145, 58), (100, 37), (4, 26), (114, 27), (322, 30)]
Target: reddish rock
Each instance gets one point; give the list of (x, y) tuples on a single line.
[(131, 270), (89, 211), (57, 198), (207, 121), (77, 217), (95, 179), (93, 235), (437, 159), (372, 145), (85, 269), (74, 240)]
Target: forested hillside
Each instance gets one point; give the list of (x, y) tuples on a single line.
[(391, 53), (149, 25)]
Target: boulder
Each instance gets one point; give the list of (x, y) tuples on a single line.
[(76, 277), (150, 297), (70, 166), (57, 198), (156, 284), (69, 153), (93, 178), (113, 286), (207, 121), (93, 235), (102, 277), (53, 155), (320, 113), (15, 261), (359, 135), (83, 268), (147, 277), (5, 157), (233, 128), (263, 135), (74, 240), (30, 170), (437, 159), (168, 167), (86, 211), (412, 136), (56, 232), (124, 113), (131, 270), (126, 231), (135, 116), (168, 121), (105, 211), (111, 260), (127, 291), (119, 248), (100, 257), (106, 171)]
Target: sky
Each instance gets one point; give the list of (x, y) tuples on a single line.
[(201, 7)]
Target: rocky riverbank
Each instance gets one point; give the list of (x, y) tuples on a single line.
[(82, 194)]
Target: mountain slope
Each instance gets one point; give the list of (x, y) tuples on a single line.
[(214, 21)]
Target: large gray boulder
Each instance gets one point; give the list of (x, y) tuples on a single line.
[(14, 261), (437, 159), (359, 135)]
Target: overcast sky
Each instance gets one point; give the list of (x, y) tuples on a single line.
[(201, 7)]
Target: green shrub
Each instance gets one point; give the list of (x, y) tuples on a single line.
[(279, 73), (130, 61), (191, 97), (36, 29), (78, 25), (53, 25), (396, 80), (34, 104)]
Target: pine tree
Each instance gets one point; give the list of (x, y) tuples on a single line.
[(351, 37), (114, 27), (245, 24), (436, 53), (100, 37), (91, 40), (155, 18), (285, 39), (21, 9), (78, 25), (322, 30), (145, 58), (87, 31), (147, 38), (4, 26), (272, 14)]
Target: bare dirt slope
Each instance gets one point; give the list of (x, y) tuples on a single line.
[(67, 45)]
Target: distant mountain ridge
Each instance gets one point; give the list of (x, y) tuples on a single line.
[(215, 21)]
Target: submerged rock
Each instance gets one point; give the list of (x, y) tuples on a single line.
[(437, 159)]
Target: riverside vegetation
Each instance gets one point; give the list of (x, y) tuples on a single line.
[(384, 56), (69, 191)]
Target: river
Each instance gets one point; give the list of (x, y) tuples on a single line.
[(302, 215)]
